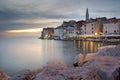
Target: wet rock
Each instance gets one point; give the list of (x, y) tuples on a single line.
[(23, 75), (92, 75), (109, 51), (60, 71), (51, 70), (55, 64), (89, 56), (3, 76), (105, 65), (116, 74), (79, 60)]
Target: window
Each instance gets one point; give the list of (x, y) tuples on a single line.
[(114, 31), (92, 24)]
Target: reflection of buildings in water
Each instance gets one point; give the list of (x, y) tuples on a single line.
[(48, 48), (88, 45), (91, 46), (74, 44), (95, 49), (52, 46), (85, 47), (78, 44)]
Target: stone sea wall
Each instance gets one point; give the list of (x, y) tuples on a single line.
[(103, 65)]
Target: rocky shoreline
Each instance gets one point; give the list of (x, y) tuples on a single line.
[(103, 65)]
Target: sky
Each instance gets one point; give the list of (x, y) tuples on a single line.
[(30, 16)]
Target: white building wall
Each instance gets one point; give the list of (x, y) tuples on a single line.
[(88, 28), (70, 32), (61, 33), (56, 32), (110, 28)]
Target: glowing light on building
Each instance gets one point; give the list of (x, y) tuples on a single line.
[(96, 33)]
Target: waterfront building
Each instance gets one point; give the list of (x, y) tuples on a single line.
[(94, 26), (64, 26), (59, 32), (99, 25), (88, 28), (47, 33), (111, 27), (91, 28), (70, 30), (79, 28)]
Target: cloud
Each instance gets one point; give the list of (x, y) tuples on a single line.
[(20, 14)]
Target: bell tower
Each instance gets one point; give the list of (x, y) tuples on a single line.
[(87, 15)]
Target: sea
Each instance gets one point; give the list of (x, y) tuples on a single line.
[(28, 52)]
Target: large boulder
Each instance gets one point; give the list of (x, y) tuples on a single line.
[(23, 75), (111, 50), (116, 74), (51, 70), (58, 70), (92, 75), (79, 59), (106, 66), (55, 64), (89, 56), (3, 76)]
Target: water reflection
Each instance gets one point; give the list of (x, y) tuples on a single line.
[(31, 53), (85, 47)]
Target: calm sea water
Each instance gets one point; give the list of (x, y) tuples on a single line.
[(18, 53)]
